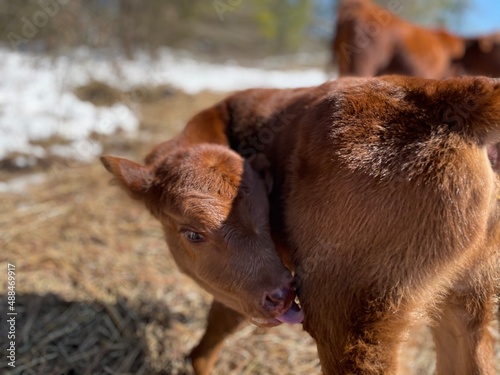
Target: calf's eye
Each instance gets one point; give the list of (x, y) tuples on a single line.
[(193, 236)]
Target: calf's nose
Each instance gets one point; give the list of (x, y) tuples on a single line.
[(279, 300)]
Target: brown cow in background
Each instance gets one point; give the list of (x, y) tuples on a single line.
[(482, 56), (372, 41)]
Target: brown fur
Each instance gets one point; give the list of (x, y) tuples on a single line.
[(385, 194), (210, 190), (408, 204), (482, 56), (372, 41)]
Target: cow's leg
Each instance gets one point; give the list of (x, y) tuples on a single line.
[(222, 321), (463, 343), (362, 64), (356, 332), (362, 348)]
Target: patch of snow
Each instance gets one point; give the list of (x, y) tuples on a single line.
[(37, 100), (83, 150), (193, 76), (21, 184)]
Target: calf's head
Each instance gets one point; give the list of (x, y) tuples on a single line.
[(214, 211)]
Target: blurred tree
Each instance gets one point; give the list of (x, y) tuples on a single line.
[(223, 29), (283, 21)]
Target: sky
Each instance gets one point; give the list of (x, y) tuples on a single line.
[(482, 16)]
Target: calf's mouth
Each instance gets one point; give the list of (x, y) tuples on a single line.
[(292, 315)]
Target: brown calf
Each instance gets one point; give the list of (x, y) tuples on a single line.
[(386, 192), (372, 41), (213, 208), (482, 56)]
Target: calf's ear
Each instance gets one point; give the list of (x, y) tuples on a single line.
[(134, 178)]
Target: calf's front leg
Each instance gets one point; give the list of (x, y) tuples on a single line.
[(222, 321)]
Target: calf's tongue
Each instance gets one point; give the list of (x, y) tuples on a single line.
[(293, 315)]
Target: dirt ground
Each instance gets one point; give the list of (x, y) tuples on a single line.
[(97, 291)]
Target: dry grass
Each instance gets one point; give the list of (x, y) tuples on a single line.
[(98, 292)]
